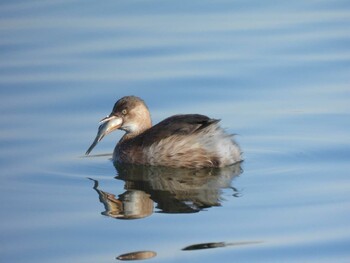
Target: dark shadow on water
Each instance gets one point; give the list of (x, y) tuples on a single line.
[(137, 255), (218, 244), (174, 190), (140, 255)]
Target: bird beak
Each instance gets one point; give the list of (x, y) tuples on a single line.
[(108, 124)]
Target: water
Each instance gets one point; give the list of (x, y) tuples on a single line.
[(276, 74)]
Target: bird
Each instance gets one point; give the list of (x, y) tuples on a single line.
[(184, 140)]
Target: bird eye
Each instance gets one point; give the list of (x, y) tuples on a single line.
[(124, 112)]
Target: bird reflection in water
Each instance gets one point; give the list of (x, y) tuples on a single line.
[(174, 190)]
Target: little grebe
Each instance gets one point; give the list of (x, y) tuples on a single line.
[(190, 140)]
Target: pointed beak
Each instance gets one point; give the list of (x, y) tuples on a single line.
[(108, 124)]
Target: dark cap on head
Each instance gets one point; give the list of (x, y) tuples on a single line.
[(127, 103)]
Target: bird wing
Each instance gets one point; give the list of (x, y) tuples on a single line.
[(175, 125)]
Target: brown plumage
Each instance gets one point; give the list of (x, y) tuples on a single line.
[(189, 140)]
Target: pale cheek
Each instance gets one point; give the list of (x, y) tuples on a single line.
[(130, 127)]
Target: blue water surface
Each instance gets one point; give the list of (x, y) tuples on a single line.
[(276, 74)]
